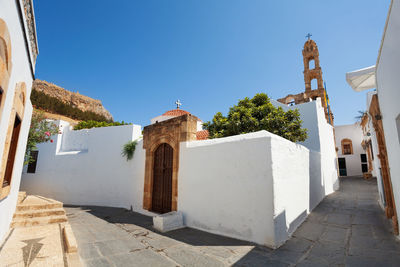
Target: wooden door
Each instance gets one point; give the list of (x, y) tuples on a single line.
[(162, 179), (12, 152)]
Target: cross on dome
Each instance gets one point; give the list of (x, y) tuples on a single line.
[(178, 104), (308, 36)]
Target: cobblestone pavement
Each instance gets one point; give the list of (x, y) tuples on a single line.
[(348, 228)]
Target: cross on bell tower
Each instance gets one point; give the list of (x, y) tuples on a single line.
[(308, 36), (178, 104)]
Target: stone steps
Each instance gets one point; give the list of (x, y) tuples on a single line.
[(39, 213), (37, 210), (26, 222)]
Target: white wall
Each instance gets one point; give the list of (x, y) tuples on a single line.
[(97, 175), (250, 176), (320, 141), (355, 134), (388, 82), (20, 73)]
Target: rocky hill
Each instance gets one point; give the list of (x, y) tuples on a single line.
[(76, 100)]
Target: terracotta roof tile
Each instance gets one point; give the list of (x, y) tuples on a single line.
[(202, 135)]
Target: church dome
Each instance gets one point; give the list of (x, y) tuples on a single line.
[(175, 112)]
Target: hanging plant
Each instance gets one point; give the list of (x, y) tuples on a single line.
[(129, 149)]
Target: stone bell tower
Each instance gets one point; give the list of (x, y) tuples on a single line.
[(310, 53), (311, 72)]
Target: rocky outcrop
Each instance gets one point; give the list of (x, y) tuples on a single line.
[(76, 100)]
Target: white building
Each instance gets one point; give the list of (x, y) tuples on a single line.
[(352, 157), (384, 110), (18, 52), (261, 186)]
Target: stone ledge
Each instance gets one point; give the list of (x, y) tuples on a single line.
[(169, 221), (69, 239)]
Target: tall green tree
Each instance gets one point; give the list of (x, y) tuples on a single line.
[(255, 114)]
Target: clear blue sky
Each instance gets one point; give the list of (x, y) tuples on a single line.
[(138, 57)]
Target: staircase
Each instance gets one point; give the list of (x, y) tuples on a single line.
[(37, 210)]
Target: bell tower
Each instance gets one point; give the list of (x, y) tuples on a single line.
[(312, 71), (313, 90)]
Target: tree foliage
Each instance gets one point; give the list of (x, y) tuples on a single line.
[(51, 104), (96, 124), (255, 114), (40, 131)]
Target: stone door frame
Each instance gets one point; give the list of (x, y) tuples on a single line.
[(171, 132)]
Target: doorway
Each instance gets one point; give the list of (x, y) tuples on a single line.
[(162, 179), (342, 167)]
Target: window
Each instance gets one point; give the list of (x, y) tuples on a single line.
[(33, 162), (347, 147)]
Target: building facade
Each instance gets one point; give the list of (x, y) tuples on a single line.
[(352, 157), (18, 52)]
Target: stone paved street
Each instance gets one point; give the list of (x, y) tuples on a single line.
[(347, 229)]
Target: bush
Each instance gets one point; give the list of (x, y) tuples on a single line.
[(40, 131), (97, 124), (258, 113), (53, 105), (129, 149)]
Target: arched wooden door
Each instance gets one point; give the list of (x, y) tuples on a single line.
[(162, 179)]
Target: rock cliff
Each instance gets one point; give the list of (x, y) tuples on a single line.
[(76, 100)]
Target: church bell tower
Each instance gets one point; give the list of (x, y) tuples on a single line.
[(312, 71)]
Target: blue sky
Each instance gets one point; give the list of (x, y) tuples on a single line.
[(138, 57)]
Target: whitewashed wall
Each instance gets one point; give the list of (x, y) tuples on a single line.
[(321, 142), (20, 73), (388, 82), (96, 175), (258, 182), (355, 134)]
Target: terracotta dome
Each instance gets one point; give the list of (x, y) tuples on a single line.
[(176, 112)]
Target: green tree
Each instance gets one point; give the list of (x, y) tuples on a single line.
[(258, 113), (40, 131)]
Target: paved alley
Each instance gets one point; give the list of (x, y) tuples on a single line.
[(348, 228)]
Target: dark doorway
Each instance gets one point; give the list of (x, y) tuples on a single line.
[(162, 179), (364, 164), (12, 151), (342, 167), (33, 161)]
